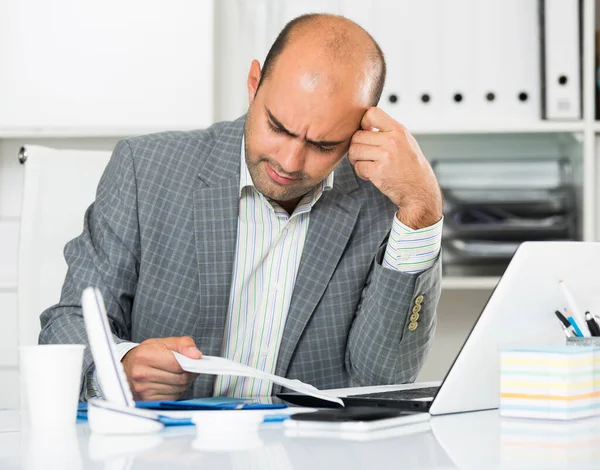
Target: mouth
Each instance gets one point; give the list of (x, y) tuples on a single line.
[(278, 178)]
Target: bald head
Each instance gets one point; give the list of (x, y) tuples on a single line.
[(329, 50)]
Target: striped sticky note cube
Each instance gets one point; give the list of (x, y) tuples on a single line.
[(555, 382)]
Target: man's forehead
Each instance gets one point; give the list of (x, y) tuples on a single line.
[(346, 91)]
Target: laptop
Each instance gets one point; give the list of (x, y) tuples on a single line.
[(519, 313)]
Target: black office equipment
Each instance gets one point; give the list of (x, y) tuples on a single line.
[(492, 206)]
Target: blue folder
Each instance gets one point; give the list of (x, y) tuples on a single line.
[(211, 403)]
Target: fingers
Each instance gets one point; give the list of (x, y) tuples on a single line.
[(365, 158), (182, 344), (369, 153), (369, 138), (158, 356), (153, 371), (186, 346), (156, 391), (362, 152), (377, 118), (148, 374), (364, 169), (383, 147)]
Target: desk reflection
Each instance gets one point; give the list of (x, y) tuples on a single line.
[(540, 443), (267, 450), (486, 440), (480, 440), (51, 448)]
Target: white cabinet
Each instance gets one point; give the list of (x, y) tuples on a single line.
[(83, 67)]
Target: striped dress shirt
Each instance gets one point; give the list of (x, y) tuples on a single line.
[(268, 252)]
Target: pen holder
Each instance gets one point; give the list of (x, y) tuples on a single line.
[(554, 382), (585, 341)]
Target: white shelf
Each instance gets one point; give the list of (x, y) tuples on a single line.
[(471, 282), (87, 132), (531, 127), (6, 286)]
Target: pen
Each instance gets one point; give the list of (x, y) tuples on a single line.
[(574, 324), (592, 325), (577, 315), (567, 327)]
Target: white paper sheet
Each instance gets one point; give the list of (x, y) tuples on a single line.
[(221, 366)]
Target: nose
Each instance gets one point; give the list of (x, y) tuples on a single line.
[(291, 156)]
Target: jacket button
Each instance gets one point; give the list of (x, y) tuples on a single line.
[(419, 300), (414, 317), (416, 309), (412, 326)]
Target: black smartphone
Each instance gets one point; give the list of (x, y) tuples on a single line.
[(354, 419)]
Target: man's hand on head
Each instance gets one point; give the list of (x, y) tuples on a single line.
[(385, 153), (154, 373)]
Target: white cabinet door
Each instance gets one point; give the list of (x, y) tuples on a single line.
[(9, 379), (9, 243), (9, 388), (8, 330), (85, 65)]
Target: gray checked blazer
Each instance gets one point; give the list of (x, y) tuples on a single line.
[(159, 242)]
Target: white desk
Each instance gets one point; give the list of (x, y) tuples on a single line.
[(479, 441)]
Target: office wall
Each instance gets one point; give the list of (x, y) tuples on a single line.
[(244, 31)]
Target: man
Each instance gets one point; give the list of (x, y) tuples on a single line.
[(258, 240)]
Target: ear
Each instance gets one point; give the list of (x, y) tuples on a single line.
[(253, 80)]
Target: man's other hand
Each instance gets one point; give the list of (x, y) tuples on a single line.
[(385, 153), (154, 373)]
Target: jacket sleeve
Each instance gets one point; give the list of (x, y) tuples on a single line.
[(385, 345), (106, 255)]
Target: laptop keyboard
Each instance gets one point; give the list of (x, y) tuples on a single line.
[(403, 394)]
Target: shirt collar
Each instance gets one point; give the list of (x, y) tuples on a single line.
[(246, 179)]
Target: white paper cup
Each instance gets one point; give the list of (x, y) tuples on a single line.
[(51, 378)]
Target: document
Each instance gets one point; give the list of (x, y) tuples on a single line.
[(220, 366)]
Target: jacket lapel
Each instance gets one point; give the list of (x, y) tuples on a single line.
[(216, 207), (332, 221)]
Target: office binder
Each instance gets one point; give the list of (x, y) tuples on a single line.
[(424, 80), (448, 61), (388, 22), (505, 50), (560, 28), (457, 39)]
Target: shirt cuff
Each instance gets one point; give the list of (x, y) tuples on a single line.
[(92, 386), (413, 251)]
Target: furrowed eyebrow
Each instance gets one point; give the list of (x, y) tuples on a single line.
[(318, 143)]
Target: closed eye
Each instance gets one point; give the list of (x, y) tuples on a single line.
[(277, 130), (322, 149)]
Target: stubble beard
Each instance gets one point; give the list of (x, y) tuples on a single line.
[(263, 182), (269, 188)]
